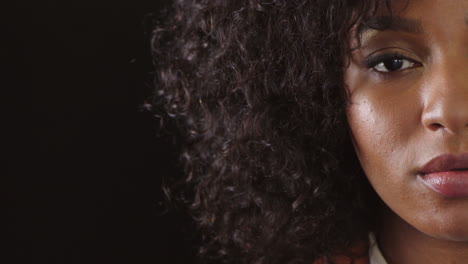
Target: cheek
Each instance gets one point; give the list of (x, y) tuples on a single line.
[(388, 139), (382, 128), (385, 130)]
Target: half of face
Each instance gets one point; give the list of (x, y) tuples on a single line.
[(408, 88)]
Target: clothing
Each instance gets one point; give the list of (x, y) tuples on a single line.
[(373, 256)]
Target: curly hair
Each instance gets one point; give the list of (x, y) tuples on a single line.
[(256, 88)]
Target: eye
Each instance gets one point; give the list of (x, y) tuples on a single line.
[(390, 62), (393, 65)]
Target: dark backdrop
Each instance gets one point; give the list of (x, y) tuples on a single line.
[(84, 165)]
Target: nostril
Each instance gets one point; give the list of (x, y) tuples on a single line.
[(447, 116), (436, 126)]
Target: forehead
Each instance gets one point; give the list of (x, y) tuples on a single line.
[(426, 10), (439, 18), (421, 6)]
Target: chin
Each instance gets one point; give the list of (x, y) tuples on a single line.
[(450, 228), (454, 236)]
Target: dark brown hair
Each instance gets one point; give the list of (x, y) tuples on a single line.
[(256, 88)]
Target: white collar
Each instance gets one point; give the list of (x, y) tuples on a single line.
[(375, 256)]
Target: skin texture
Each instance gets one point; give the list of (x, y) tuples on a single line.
[(400, 120)]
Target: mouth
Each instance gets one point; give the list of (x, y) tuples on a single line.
[(462, 169), (446, 162), (447, 175)]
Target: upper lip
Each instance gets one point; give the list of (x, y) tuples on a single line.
[(446, 162)]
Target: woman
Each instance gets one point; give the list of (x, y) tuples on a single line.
[(321, 131)]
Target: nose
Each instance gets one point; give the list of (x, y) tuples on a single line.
[(445, 96)]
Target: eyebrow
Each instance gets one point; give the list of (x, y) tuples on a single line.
[(395, 23)]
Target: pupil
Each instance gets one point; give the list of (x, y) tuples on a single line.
[(393, 64)]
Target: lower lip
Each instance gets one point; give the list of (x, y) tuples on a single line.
[(451, 184)]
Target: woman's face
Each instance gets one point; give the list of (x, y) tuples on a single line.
[(408, 89)]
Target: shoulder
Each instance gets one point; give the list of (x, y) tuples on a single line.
[(357, 255), (342, 260)]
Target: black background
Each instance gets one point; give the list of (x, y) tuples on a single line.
[(84, 166)]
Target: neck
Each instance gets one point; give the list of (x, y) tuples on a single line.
[(403, 244)]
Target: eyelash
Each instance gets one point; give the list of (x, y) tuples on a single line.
[(372, 61)]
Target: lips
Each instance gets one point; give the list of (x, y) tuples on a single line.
[(447, 175)]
